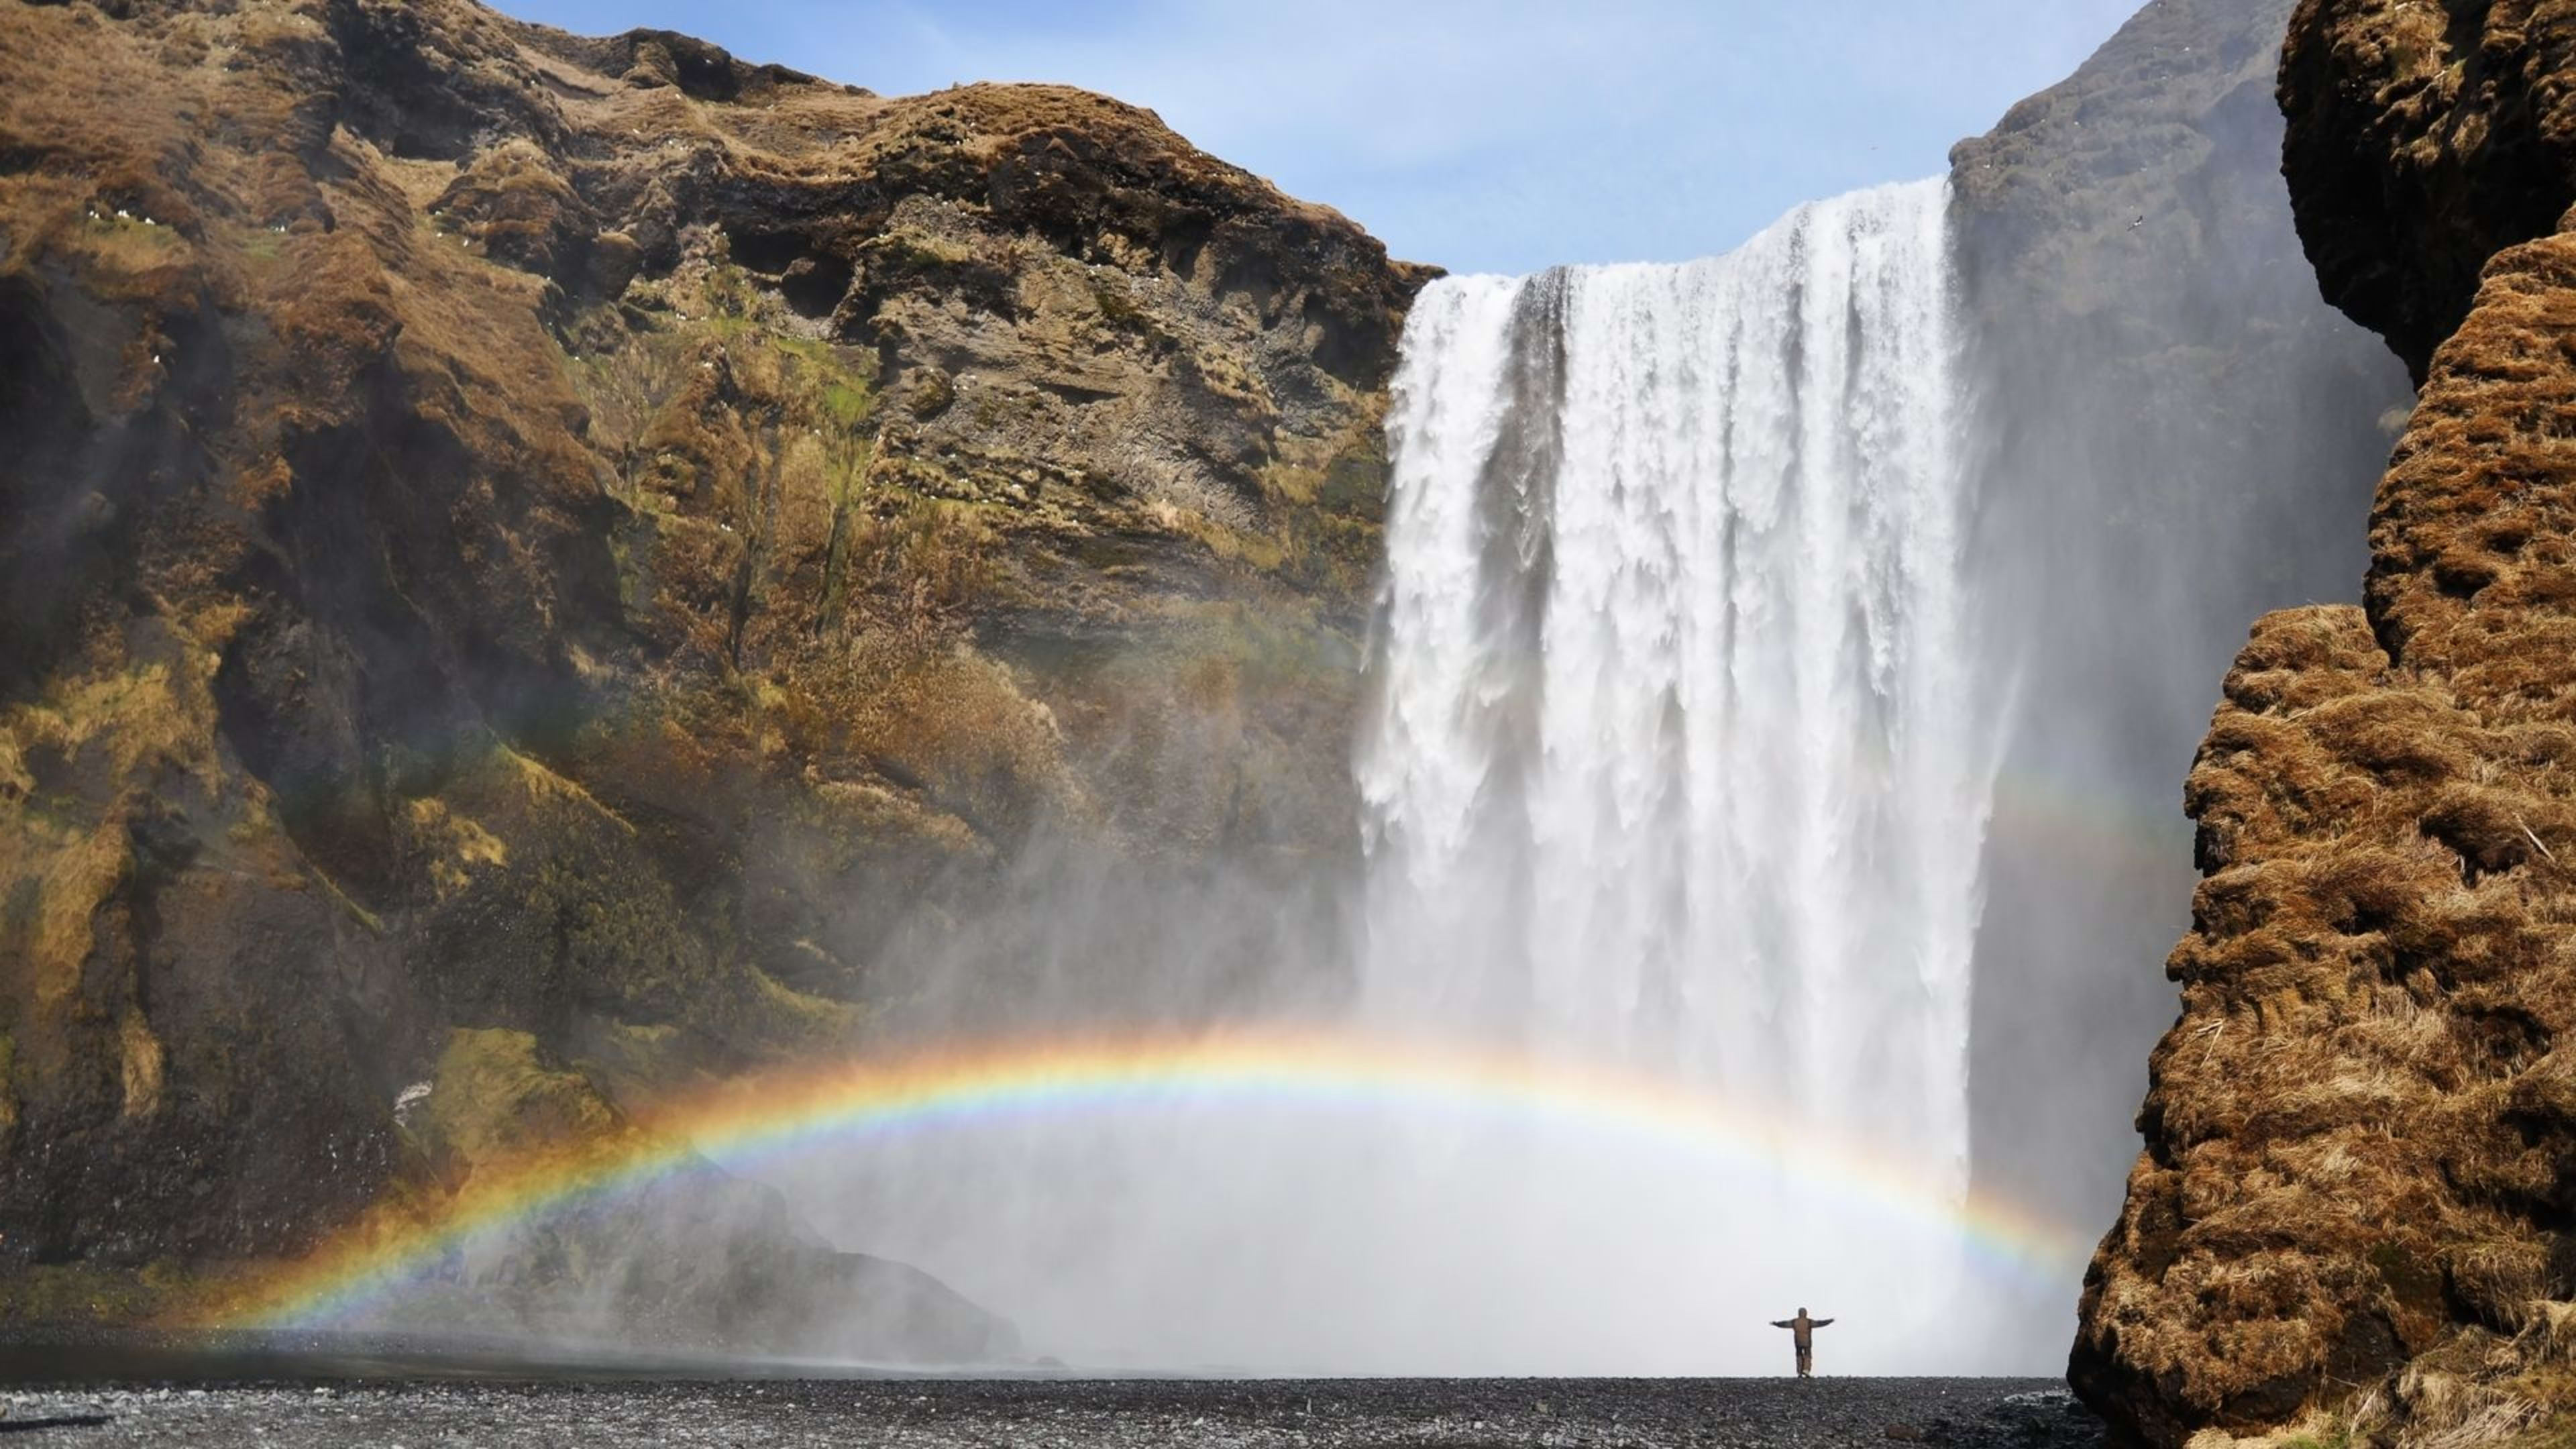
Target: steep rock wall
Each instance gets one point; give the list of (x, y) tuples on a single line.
[(2361, 1134), (597, 539), (2146, 340)]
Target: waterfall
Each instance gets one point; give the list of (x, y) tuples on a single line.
[(1672, 774), (1675, 756)]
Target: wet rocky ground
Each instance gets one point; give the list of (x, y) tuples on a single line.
[(904, 1413)]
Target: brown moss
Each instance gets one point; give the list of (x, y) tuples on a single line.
[(515, 206)]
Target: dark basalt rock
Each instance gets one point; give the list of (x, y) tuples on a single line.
[(2423, 140)]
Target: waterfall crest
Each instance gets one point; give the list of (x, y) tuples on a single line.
[(1674, 753)]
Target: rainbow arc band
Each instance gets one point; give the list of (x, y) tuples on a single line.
[(937, 1090)]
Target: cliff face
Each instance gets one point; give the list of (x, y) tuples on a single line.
[(596, 539), (2148, 344), (2361, 1135)]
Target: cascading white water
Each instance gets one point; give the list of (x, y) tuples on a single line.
[(1675, 757)]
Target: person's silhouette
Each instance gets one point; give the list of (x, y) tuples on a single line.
[(1802, 1332)]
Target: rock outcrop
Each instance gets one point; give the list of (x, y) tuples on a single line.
[(692, 1257), (2423, 140), (2360, 1165), (601, 540)]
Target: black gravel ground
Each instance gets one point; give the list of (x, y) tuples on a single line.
[(1038, 1412)]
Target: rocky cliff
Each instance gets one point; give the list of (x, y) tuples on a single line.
[(2147, 337), (598, 540), (2359, 1181)]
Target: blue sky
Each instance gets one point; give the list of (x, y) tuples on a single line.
[(1500, 136)]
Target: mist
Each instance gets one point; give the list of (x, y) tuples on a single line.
[(1665, 746), (1783, 673), (2152, 406)]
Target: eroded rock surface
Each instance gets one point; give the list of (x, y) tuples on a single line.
[(2361, 1135), (597, 539)]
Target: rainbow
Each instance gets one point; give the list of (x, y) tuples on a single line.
[(758, 1116)]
